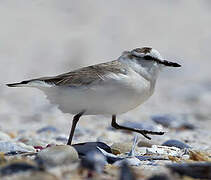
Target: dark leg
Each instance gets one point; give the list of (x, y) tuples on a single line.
[(75, 120), (143, 132)]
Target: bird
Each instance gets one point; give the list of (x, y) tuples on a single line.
[(111, 88)]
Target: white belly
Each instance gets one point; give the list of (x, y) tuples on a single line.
[(112, 97)]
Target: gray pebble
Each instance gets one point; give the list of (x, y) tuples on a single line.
[(173, 121), (7, 147), (94, 161), (57, 155), (201, 170), (47, 129), (17, 167), (126, 173), (175, 143)]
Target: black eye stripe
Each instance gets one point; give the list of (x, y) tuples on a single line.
[(148, 58)]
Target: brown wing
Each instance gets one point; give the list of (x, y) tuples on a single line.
[(86, 75)]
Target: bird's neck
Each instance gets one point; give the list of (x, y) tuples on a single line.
[(147, 69)]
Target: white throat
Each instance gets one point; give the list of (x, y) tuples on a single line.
[(148, 69)]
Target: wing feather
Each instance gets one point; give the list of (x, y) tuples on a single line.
[(86, 75)]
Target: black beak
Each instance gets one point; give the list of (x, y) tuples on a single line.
[(171, 64)]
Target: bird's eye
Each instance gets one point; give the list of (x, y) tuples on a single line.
[(148, 57)]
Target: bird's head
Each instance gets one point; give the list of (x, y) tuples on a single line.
[(149, 54)]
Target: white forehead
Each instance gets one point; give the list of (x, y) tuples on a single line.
[(155, 54), (141, 52)]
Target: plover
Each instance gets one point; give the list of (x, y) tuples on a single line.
[(110, 88)]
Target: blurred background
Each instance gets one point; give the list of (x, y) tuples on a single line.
[(49, 37)]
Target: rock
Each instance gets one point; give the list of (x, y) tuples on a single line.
[(163, 150), (159, 177), (37, 175), (179, 121), (201, 170), (94, 161), (175, 143), (17, 167), (4, 136), (151, 158), (84, 148), (121, 148), (146, 143), (36, 142), (48, 129), (126, 173), (62, 138), (132, 161), (8, 147), (57, 155)]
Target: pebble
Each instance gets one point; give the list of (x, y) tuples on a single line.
[(148, 143), (37, 175), (175, 143), (151, 158), (159, 177), (17, 167), (94, 161), (177, 121), (131, 161), (57, 155), (8, 147), (164, 150), (62, 138), (121, 148), (84, 148), (201, 170), (4, 136), (48, 129), (126, 173), (37, 142)]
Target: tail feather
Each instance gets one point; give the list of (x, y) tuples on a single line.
[(31, 83), (21, 84)]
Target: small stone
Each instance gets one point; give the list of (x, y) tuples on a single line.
[(7, 147), (57, 155), (132, 161), (200, 170), (94, 161), (48, 129), (175, 143), (36, 142), (4, 136), (163, 150), (179, 121), (159, 177), (126, 172), (121, 148), (37, 175), (62, 138), (84, 148), (17, 167), (148, 143)]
